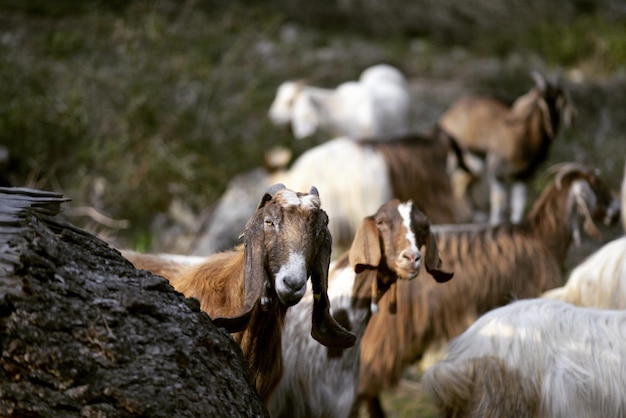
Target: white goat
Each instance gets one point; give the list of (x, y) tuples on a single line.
[(599, 281), (322, 383), (377, 105), (535, 358), (505, 143)]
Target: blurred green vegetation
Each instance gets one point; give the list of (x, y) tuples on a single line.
[(128, 106)]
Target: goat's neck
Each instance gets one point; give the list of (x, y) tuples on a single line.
[(261, 345), (326, 103), (551, 220), (352, 294)]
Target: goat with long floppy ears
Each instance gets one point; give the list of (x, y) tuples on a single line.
[(247, 290)]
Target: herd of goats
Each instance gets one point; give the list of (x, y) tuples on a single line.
[(380, 220)]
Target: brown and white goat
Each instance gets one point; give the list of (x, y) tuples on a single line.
[(505, 143), (247, 290), (356, 178), (387, 248), (492, 266)]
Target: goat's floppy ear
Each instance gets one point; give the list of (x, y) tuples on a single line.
[(254, 275), (325, 329), (365, 250), (433, 261)]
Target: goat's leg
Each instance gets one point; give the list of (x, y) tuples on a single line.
[(518, 201), (497, 200)]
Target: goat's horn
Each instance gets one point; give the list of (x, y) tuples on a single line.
[(540, 81), (563, 169), (274, 188)]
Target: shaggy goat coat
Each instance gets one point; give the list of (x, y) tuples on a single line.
[(535, 358)]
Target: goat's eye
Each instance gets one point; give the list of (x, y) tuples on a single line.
[(269, 222)]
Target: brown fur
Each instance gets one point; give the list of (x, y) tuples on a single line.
[(493, 265), (517, 137), (498, 388), (512, 141), (417, 171)]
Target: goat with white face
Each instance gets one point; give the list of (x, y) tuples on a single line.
[(387, 247), (247, 290), (505, 143)]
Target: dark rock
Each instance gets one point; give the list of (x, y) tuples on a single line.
[(82, 333)]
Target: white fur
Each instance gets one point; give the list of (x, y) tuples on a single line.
[(332, 167), (405, 212), (314, 385), (599, 281), (377, 105), (560, 361), (291, 279)]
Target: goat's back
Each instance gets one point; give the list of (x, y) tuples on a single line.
[(165, 265), (416, 165), (564, 361), (472, 120)]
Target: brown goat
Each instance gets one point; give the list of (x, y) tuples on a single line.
[(505, 143), (388, 246), (493, 265), (247, 290)]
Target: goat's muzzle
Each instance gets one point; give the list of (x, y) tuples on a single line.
[(409, 264), (290, 281)]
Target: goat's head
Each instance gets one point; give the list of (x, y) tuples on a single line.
[(282, 106), (589, 196), (554, 102), (390, 241), (286, 241), (305, 117)]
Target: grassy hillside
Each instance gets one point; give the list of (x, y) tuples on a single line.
[(138, 108)]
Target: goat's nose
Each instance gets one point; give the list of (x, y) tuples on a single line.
[(410, 256), (293, 282)]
